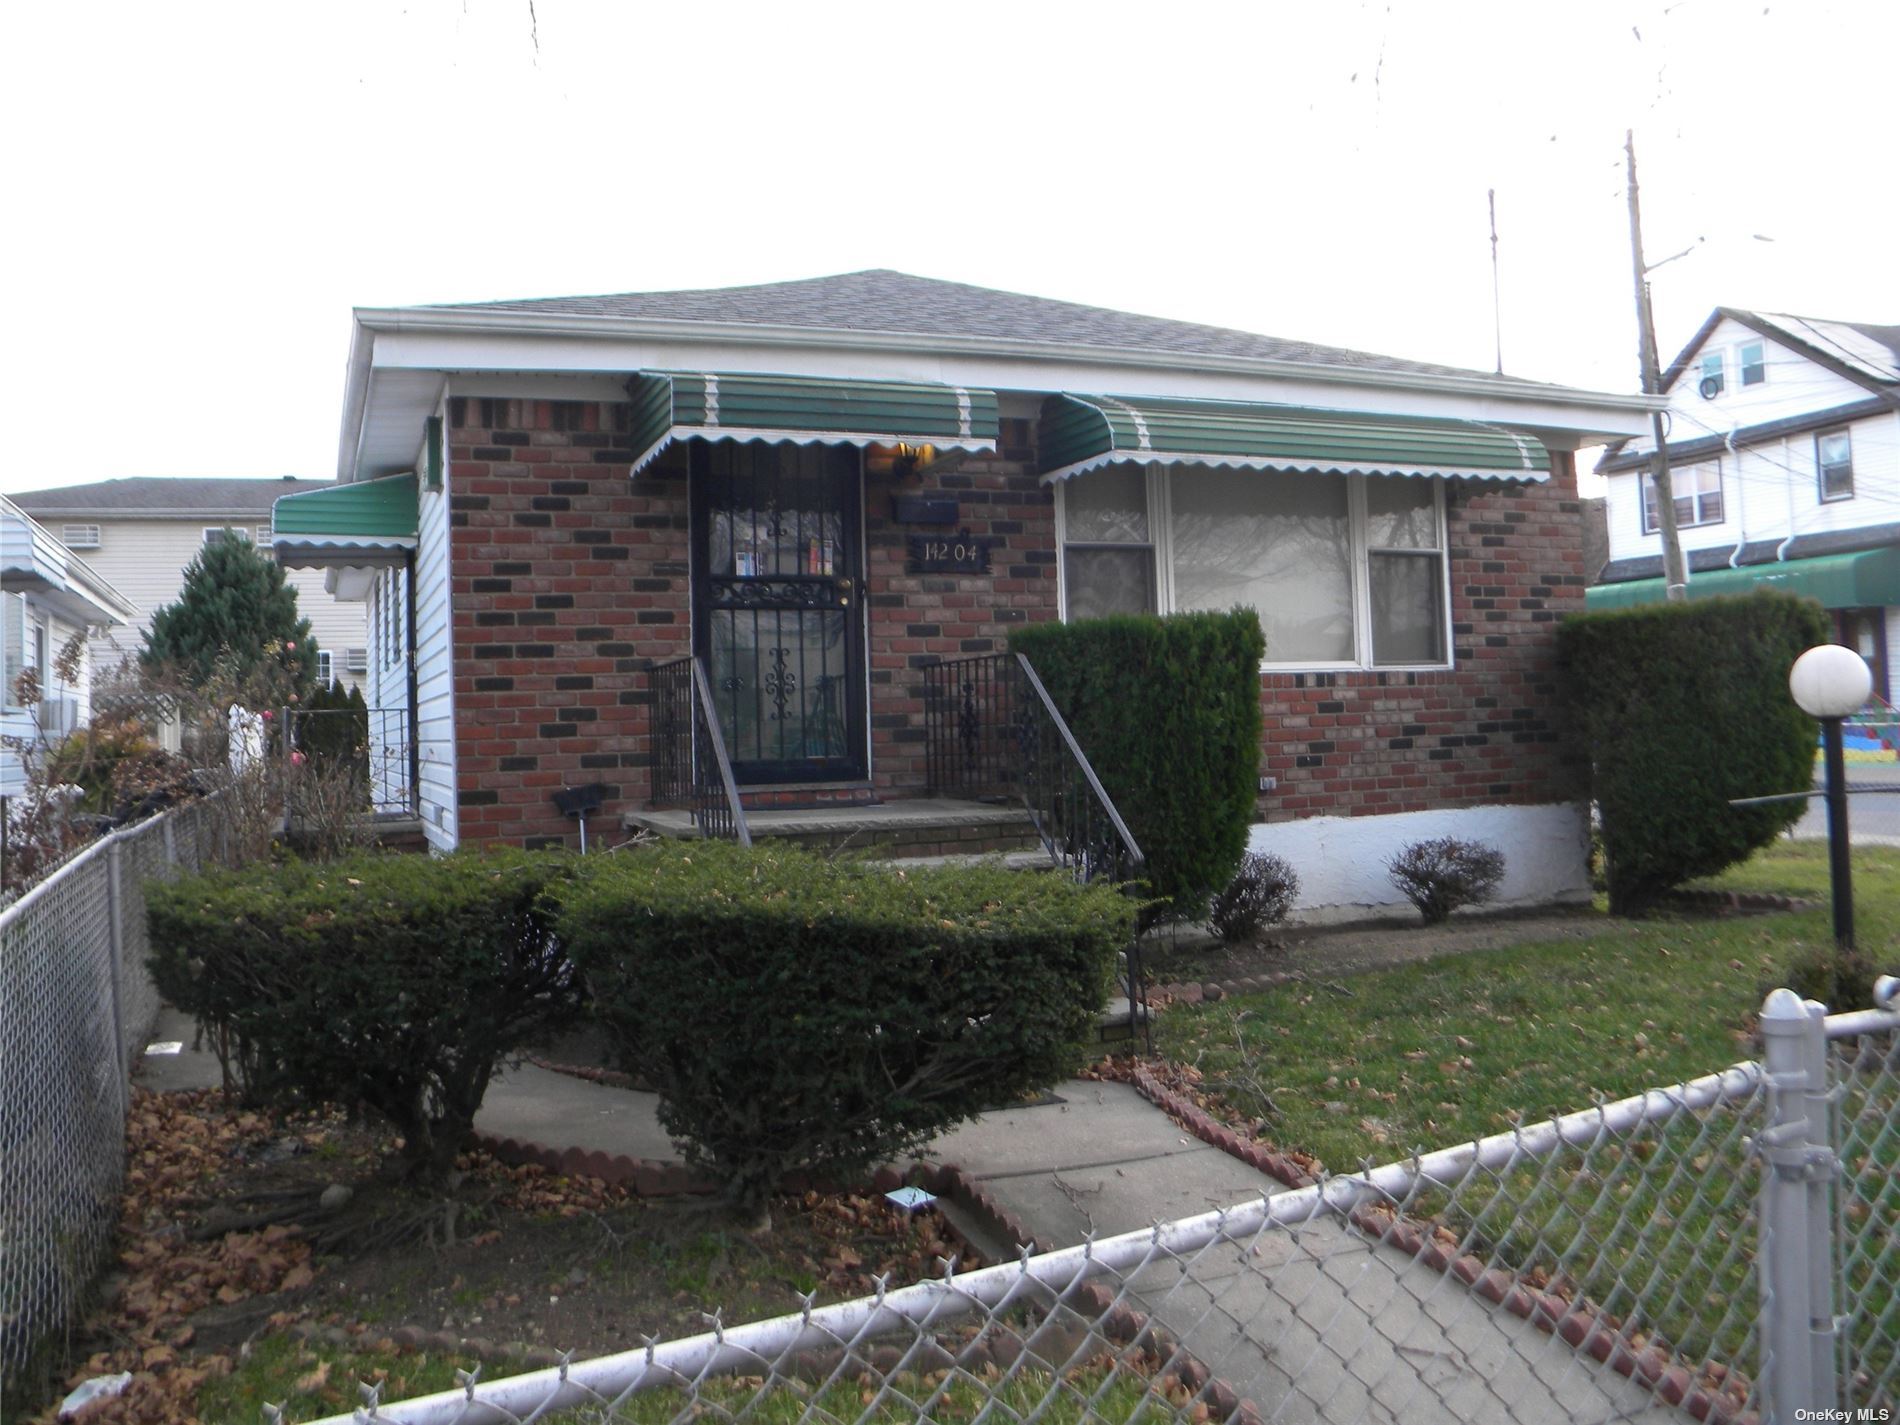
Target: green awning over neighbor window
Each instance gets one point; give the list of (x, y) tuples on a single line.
[(805, 410), (1866, 580), (363, 523), (1082, 433)]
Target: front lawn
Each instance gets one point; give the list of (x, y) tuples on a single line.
[(1653, 1226), (1461, 1047)]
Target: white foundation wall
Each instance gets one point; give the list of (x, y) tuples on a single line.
[(1341, 860)]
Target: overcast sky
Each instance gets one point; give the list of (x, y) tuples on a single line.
[(199, 193)]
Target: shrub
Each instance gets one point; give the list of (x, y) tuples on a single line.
[(1261, 893), (1684, 706), (1841, 979), (393, 983), (1167, 711), (1440, 875), (797, 1013)]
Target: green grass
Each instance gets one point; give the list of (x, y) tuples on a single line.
[(1464, 1046), (1655, 1229), (313, 1379)]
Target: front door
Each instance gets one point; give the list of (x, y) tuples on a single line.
[(776, 609)]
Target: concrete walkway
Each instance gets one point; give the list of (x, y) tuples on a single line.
[(1312, 1324)]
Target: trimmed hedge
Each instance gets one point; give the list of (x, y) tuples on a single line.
[(394, 983), (1168, 712), (1684, 706), (796, 1013)]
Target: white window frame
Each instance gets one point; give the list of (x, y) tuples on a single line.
[(213, 533), (1759, 367), (326, 667), (1702, 372), (1846, 433), (1644, 483), (261, 536), (79, 536), (1161, 543)]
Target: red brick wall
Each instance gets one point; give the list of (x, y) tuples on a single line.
[(914, 619), (567, 579), (1492, 729)]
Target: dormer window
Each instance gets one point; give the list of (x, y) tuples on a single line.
[(1754, 363)]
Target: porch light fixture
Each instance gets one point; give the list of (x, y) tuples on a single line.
[(907, 460), (1830, 683)]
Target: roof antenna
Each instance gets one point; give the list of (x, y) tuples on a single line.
[(1497, 316)]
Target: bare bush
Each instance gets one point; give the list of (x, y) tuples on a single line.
[(1261, 893), (1440, 875)]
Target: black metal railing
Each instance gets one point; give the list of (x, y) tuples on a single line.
[(970, 727), (993, 732), (690, 763)]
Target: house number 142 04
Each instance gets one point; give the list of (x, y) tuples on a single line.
[(961, 553)]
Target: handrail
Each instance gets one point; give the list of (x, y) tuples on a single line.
[(1135, 858), (706, 727)]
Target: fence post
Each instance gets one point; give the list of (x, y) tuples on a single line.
[(115, 940), (1787, 1368), (1821, 1168)]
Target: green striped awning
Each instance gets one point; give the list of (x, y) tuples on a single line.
[(1869, 579), (805, 410), (362, 523), (1081, 433)]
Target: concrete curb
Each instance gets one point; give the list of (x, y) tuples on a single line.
[(1580, 1324)]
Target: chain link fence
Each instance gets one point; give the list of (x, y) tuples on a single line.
[(1726, 1249), (76, 1007)]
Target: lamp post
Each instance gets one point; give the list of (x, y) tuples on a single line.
[(1831, 682)]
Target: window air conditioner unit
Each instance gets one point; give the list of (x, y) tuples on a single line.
[(356, 660)]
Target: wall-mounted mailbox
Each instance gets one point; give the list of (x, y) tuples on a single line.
[(924, 509)]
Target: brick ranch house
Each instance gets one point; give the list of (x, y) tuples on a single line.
[(817, 488)]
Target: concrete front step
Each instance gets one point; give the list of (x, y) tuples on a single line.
[(918, 827)]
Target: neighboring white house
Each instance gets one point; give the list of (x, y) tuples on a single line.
[(1784, 451), (141, 532), (47, 594)]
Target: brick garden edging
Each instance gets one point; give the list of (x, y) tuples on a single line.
[(1579, 1324)]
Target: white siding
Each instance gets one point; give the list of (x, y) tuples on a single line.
[(145, 560), (1771, 491), (435, 677)]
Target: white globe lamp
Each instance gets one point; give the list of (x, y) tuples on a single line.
[(1832, 682)]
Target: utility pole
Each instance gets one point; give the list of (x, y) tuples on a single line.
[(1675, 571)]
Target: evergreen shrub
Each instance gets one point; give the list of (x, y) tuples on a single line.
[(1167, 710), (1683, 707), (387, 982), (797, 1013)]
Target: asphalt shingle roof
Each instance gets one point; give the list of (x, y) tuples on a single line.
[(185, 495), (880, 300)]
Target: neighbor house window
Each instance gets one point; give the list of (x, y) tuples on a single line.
[(326, 668), (1698, 491), (12, 646), (1834, 458), (262, 536), (1344, 571), (222, 533), (1108, 563), (1712, 371), (79, 536), (1754, 364)]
